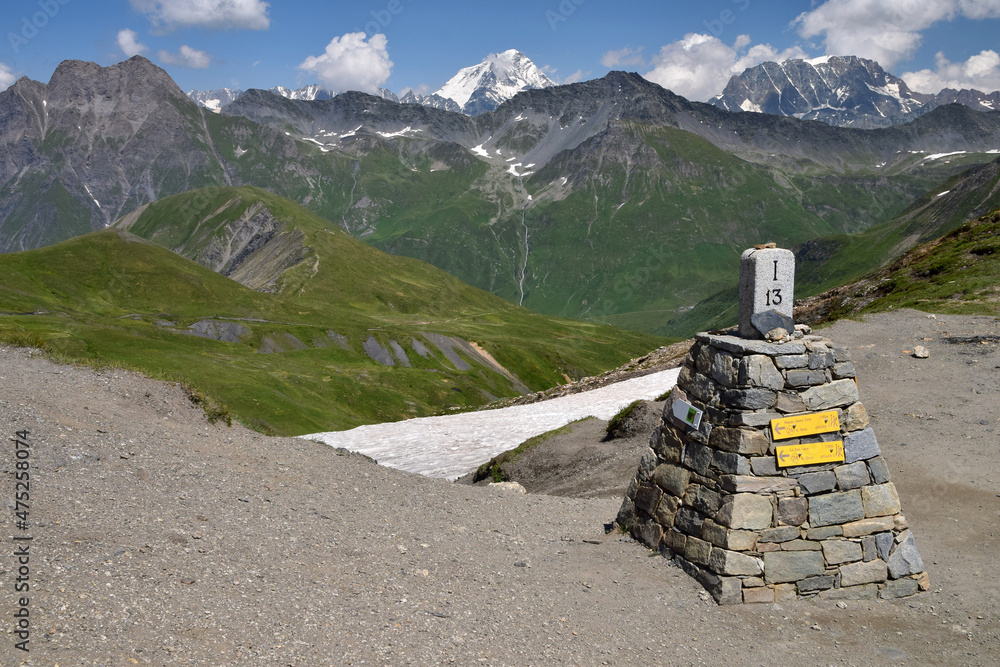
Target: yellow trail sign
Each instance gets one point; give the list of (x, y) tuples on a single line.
[(803, 425), (804, 455)]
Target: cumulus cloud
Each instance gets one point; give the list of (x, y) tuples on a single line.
[(699, 66), (129, 43), (186, 57), (215, 14), (7, 77), (575, 77), (889, 32), (980, 72), (624, 57), (351, 63)]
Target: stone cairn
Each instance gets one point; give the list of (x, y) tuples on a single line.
[(754, 511)]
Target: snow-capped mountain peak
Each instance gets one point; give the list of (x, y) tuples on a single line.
[(498, 78)]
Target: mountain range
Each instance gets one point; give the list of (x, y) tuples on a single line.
[(474, 90), (846, 91), (839, 90), (613, 199)]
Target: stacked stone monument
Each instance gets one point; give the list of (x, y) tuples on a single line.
[(764, 479)]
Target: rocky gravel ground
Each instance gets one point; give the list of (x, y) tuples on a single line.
[(160, 539)]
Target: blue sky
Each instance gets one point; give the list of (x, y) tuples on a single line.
[(692, 48)]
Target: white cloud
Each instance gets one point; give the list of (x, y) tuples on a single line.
[(699, 66), (981, 72), (215, 14), (351, 63), (7, 77), (624, 57), (129, 43), (889, 32), (575, 77), (186, 57)]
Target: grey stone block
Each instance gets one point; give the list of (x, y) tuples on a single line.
[(723, 369), (840, 352), (801, 545), (860, 445), (626, 514), (834, 395), (673, 479), (697, 551), (821, 359), (852, 476), (700, 387), (789, 403), (844, 370), (803, 377), (697, 457), (746, 511), (824, 532), (780, 534), (758, 370), (817, 482), (727, 538), (879, 470), (900, 588), (884, 542), (880, 500), (647, 464), (905, 559), (750, 442), (835, 508), (666, 511), (649, 533), (869, 548), (702, 499), (752, 419), (856, 574), (792, 361), (746, 346), (793, 511), (855, 417), (815, 584), (791, 566), (752, 484), (730, 463), (725, 590), (647, 498), (767, 283), (749, 399), (868, 526), (688, 521), (731, 563), (764, 465), (841, 551)]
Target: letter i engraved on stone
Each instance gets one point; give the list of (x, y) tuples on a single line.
[(767, 283)]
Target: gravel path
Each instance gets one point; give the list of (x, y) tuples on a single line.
[(451, 445), (158, 539)]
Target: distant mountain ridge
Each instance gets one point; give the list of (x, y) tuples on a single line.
[(612, 199), (473, 91), (846, 91)]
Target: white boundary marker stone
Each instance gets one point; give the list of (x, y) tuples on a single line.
[(767, 282)]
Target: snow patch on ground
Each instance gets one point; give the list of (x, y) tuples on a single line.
[(452, 445), (480, 151)]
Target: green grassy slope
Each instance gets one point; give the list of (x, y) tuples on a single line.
[(958, 273), (112, 297)]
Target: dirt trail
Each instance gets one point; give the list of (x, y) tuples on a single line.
[(159, 539)]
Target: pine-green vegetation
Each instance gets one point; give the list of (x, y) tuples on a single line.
[(296, 363)]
